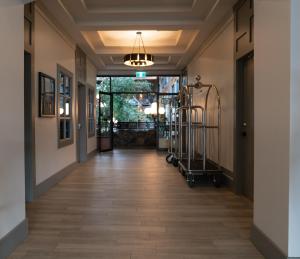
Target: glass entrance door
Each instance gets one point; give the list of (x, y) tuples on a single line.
[(105, 122)]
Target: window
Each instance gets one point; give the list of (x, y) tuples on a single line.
[(169, 84), (91, 112), (64, 107)]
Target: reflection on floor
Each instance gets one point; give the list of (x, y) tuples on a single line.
[(131, 204)]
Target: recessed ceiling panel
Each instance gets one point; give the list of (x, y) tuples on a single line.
[(150, 38), (122, 6), (172, 30)]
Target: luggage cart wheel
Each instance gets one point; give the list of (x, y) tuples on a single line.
[(190, 181), (217, 180), (169, 158), (175, 162)]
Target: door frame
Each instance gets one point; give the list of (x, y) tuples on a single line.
[(239, 174), (111, 122), (29, 127), (81, 129)]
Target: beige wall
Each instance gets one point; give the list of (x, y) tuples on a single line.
[(51, 48), (215, 64), (91, 82), (277, 123), (12, 183), (271, 120)]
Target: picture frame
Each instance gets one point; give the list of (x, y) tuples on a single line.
[(47, 96)]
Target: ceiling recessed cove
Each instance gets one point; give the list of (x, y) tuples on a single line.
[(129, 6), (151, 38)]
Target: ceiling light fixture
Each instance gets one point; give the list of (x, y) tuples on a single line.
[(138, 59)]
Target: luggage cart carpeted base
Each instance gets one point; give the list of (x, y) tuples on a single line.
[(197, 174)]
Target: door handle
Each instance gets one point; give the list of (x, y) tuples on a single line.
[(79, 126)]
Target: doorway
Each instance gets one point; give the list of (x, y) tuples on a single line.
[(105, 122), (133, 112), (245, 125), (29, 128), (81, 124)]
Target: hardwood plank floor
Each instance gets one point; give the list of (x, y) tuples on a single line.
[(132, 204)]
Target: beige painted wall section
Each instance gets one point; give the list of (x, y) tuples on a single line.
[(51, 48), (91, 81), (272, 119), (12, 183), (215, 64)]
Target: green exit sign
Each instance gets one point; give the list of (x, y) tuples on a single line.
[(140, 74)]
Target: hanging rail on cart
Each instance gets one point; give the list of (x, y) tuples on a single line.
[(172, 149)]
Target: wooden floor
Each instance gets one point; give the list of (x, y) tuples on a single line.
[(131, 204)]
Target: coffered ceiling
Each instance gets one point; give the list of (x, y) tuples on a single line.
[(172, 30)]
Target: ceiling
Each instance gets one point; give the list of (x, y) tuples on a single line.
[(172, 30)]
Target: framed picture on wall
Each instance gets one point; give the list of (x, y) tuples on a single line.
[(47, 96)]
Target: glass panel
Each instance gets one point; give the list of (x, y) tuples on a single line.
[(165, 111), (68, 129), (61, 106), (91, 126), (91, 110), (61, 84), (48, 104), (169, 84), (134, 107), (103, 84), (105, 115), (67, 86), (48, 85), (67, 107), (61, 129), (135, 117), (133, 84)]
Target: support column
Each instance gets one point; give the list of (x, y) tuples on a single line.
[(276, 229)]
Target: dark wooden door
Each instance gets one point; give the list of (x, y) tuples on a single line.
[(246, 126), (81, 125), (29, 128)]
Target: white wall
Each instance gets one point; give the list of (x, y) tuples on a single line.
[(272, 119), (12, 183), (215, 64), (51, 48), (91, 81)]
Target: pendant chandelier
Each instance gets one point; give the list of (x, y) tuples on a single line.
[(138, 59)]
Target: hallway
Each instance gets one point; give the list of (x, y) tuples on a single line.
[(132, 204)]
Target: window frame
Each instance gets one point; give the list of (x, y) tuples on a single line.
[(65, 141), (91, 116)]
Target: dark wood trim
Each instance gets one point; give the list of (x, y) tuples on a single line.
[(13, 239), (265, 245), (29, 18), (243, 31), (53, 180), (41, 75)]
